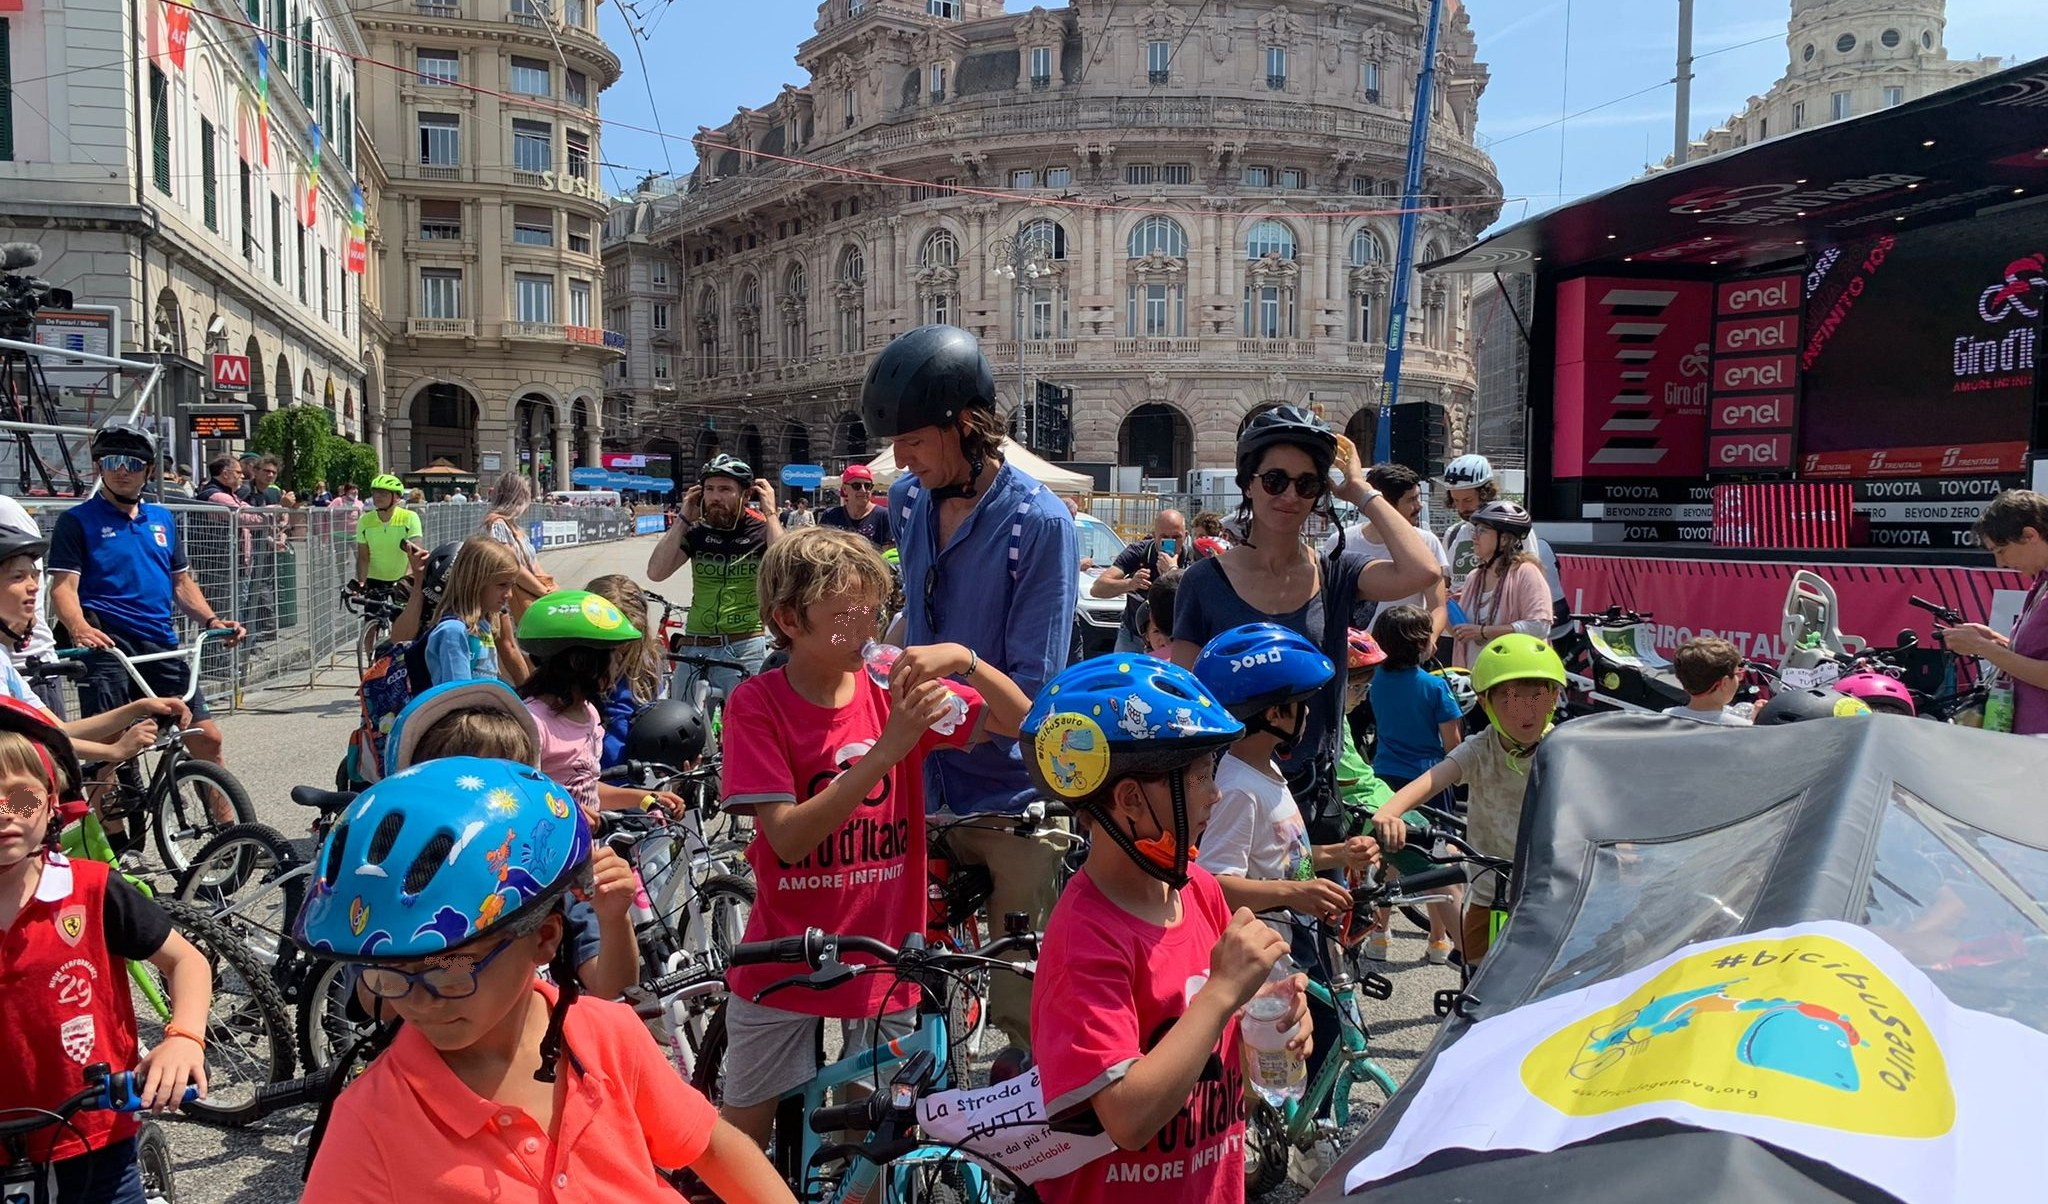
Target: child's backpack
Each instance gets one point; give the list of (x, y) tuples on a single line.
[(397, 675)]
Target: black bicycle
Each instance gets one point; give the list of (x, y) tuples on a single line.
[(183, 801), (251, 880), (378, 612)]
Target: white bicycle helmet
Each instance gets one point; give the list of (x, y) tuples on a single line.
[(1468, 472)]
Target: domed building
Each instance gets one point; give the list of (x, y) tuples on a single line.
[(1849, 57), (1167, 212)]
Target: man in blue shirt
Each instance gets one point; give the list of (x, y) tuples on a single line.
[(989, 560), (117, 574)]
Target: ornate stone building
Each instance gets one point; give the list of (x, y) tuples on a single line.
[(488, 229), (1175, 209), (1848, 57), (642, 295)]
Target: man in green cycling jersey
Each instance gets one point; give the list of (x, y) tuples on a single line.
[(727, 522), (381, 535)]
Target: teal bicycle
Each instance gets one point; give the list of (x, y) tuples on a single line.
[(1272, 1130), (891, 1162)]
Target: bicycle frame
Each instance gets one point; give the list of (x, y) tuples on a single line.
[(1341, 1070), (862, 1182)]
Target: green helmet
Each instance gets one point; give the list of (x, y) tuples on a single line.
[(386, 482), (1516, 657), (573, 618)]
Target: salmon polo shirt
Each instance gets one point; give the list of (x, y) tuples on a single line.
[(409, 1129)]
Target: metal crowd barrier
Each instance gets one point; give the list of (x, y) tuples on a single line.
[(279, 571)]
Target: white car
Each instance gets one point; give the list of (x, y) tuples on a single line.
[(1096, 619)]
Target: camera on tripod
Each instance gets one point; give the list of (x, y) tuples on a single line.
[(22, 295)]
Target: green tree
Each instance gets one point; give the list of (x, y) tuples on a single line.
[(296, 437), (348, 461)]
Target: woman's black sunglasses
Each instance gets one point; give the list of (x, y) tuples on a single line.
[(1308, 485)]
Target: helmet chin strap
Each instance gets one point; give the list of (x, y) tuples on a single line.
[(1177, 876), (968, 488), (1288, 739)]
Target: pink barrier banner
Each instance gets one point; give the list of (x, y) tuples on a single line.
[(1744, 601)]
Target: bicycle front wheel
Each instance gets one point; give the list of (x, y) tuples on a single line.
[(202, 801), (325, 1029), (244, 878), (248, 1032), (153, 1153)]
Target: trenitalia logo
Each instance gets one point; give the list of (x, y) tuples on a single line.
[(1769, 204)]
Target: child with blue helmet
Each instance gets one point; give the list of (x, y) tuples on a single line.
[(1143, 967), (1257, 845), (443, 882)]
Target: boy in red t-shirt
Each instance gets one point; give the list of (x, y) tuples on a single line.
[(1143, 967), (832, 766), (66, 928)]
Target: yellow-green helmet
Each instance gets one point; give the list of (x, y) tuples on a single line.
[(1516, 657), (386, 482), (573, 618)]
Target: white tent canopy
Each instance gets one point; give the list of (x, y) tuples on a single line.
[(1059, 480)]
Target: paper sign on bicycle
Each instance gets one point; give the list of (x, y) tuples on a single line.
[(1005, 1122)]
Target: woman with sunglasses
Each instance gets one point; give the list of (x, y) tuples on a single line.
[(1289, 464)]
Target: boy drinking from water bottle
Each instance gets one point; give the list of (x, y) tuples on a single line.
[(830, 761)]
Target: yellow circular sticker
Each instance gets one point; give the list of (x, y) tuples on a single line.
[(1845, 706), (358, 916), (602, 614), (1802, 1029), (1073, 754), (1612, 681)]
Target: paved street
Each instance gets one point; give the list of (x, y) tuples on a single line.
[(289, 737)]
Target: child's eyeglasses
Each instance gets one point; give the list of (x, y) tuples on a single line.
[(1309, 486), (23, 803), (123, 464), (1542, 691), (455, 978)]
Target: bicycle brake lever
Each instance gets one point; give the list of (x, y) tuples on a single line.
[(824, 978)]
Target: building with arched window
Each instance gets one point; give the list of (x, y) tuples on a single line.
[(1177, 210)]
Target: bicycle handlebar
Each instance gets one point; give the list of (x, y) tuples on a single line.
[(817, 948), (705, 662), (48, 670), (188, 654), (1945, 614), (104, 1091)]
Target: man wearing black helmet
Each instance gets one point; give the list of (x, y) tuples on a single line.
[(118, 575), (989, 560), (727, 522)]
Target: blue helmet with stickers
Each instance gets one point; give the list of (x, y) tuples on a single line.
[(439, 854), (1261, 665), (1121, 716)]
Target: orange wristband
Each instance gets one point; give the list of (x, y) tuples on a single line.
[(172, 1030)]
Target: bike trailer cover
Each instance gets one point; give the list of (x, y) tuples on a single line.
[(1644, 838)]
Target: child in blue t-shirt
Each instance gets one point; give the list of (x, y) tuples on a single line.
[(1418, 722)]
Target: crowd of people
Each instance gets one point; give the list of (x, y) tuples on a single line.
[(1276, 713)]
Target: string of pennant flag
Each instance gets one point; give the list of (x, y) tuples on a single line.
[(170, 35)]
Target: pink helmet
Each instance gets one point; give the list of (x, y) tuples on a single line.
[(1880, 693)]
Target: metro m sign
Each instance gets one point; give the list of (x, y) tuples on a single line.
[(231, 373)]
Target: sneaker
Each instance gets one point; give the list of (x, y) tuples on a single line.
[(1440, 952), (1378, 944), (1306, 1168)]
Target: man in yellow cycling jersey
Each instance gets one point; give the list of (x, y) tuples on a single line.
[(381, 534), (727, 522)]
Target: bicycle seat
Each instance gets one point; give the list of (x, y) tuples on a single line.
[(328, 802)]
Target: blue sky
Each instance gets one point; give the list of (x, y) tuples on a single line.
[(707, 57)]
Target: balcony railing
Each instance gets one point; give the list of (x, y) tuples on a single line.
[(1277, 83), (443, 9), (552, 332), (1158, 77), (441, 328), (1143, 348), (1277, 349)]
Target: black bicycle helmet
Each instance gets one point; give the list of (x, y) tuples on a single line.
[(669, 732), (124, 439), (22, 543), (729, 466), (434, 581), (1504, 517), (1798, 706), (926, 377), (1286, 425)]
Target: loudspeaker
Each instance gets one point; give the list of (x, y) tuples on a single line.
[(1420, 433)]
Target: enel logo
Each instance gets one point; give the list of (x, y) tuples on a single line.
[(1759, 296), (1733, 452), (1753, 413), (1753, 375)]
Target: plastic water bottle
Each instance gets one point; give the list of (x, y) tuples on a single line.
[(1279, 1074), (1998, 705), (880, 658)]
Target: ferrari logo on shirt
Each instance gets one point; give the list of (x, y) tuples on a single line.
[(71, 923), (78, 1037)]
